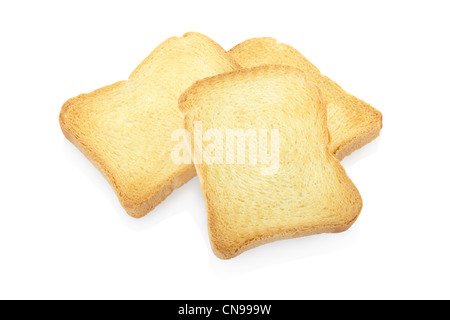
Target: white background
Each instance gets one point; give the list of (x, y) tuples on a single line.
[(64, 235)]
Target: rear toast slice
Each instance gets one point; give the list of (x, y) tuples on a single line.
[(308, 193), (125, 129), (352, 122)]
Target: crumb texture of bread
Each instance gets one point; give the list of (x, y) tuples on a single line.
[(352, 122), (125, 129), (310, 193)]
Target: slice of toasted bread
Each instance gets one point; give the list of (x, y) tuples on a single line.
[(125, 129), (310, 193), (352, 122)]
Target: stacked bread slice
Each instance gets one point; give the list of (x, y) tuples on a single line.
[(352, 123), (125, 129), (280, 179)]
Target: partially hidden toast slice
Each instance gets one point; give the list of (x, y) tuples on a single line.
[(307, 192), (352, 122), (125, 129)]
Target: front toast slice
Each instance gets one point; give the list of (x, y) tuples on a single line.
[(125, 129), (352, 122), (247, 205)]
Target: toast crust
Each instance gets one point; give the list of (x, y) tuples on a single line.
[(273, 237), (138, 188), (352, 122), (226, 217)]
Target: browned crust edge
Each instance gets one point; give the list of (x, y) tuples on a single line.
[(273, 238)]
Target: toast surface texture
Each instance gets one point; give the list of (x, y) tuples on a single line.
[(125, 129), (310, 193), (352, 122)]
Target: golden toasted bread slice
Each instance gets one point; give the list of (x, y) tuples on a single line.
[(352, 122), (296, 187), (125, 129)]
